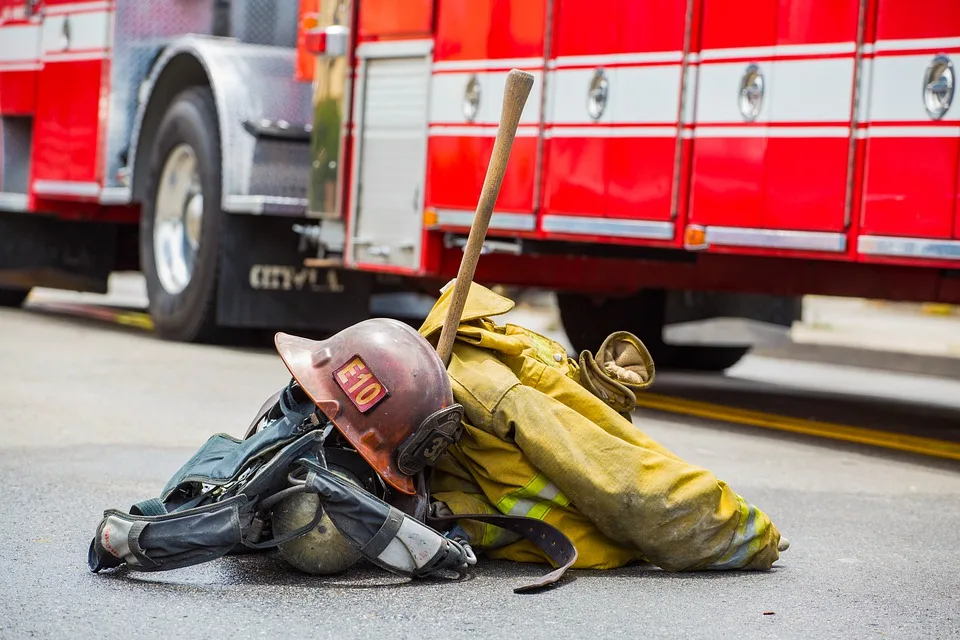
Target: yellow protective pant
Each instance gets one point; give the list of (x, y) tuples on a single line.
[(538, 443)]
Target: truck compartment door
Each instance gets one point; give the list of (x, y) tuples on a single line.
[(734, 84), (578, 119), (809, 138), (913, 128), (19, 66), (75, 53), (477, 44), (645, 88), (390, 155), (19, 58)]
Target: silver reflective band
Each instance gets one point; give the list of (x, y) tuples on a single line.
[(505, 221), (776, 238), (909, 247), (14, 201), (583, 225), (66, 188)]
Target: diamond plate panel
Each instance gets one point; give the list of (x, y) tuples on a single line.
[(267, 22), (252, 83), (142, 28)]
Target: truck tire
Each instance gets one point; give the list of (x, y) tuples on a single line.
[(588, 321), (181, 218), (13, 297)]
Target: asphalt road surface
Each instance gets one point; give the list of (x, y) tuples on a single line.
[(98, 416)]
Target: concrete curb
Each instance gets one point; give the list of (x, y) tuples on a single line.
[(895, 361)]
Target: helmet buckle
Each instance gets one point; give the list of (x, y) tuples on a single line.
[(434, 436)]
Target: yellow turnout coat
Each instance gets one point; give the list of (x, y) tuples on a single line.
[(538, 443)]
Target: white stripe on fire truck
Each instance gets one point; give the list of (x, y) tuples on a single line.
[(448, 90), (896, 131), (799, 93), (601, 131), (19, 43), (89, 32), (654, 57), (816, 131), (77, 7), (705, 55), (490, 64), (818, 90), (76, 56), (19, 66), (636, 95), (479, 131), (780, 50), (920, 44), (897, 89)]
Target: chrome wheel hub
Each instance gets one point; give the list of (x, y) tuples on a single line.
[(178, 219)]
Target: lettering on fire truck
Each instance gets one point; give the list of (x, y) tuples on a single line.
[(360, 384), (277, 277)]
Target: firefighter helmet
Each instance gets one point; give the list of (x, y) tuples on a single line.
[(385, 389)]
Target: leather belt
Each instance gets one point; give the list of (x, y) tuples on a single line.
[(553, 542)]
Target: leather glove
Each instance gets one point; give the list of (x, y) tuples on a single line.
[(622, 367)]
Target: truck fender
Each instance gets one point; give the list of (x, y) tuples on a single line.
[(264, 116)]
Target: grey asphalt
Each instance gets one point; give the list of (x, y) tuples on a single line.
[(97, 417)]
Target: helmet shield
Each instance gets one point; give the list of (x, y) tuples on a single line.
[(381, 384)]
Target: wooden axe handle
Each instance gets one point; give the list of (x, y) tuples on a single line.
[(515, 96)]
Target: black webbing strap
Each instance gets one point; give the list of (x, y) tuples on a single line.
[(553, 542)]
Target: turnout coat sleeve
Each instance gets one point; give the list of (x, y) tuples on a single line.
[(526, 409)]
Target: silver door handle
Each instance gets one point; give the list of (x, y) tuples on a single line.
[(379, 250)]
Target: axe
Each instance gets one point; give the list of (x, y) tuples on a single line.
[(515, 96)]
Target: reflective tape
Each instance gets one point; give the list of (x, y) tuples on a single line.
[(535, 500)]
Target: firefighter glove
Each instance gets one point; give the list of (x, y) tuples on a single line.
[(622, 367)]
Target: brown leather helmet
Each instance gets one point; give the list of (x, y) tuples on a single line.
[(385, 389)]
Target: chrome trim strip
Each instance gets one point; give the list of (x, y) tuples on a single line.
[(14, 201), (909, 247), (504, 221), (259, 204), (395, 48), (115, 195), (776, 238), (651, 229), (66, 188)]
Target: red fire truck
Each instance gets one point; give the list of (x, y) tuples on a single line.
[(281, 164)]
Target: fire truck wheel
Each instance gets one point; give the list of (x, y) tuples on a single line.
[(180, 219), (588, 321), (13, 297)]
